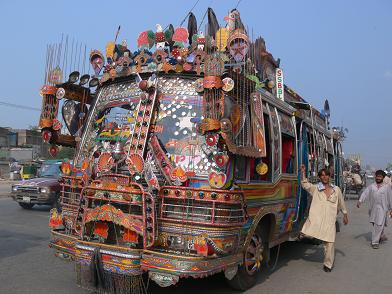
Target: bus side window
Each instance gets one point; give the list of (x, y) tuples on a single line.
[(288, 154), (240, 168), (253, 162), (331, 165)]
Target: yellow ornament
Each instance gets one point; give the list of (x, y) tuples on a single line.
[(110, 50), (262, 168), (221, 37)]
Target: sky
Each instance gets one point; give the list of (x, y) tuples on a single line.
[(339, 50)]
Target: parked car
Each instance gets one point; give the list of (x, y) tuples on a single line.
[(43, 190)]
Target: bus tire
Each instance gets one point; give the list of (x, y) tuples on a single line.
[(246, 275), (57, 203)]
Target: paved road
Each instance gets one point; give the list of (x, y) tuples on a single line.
[(5, 188), (27, 265)]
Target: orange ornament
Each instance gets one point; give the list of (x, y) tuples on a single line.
[(130, 236), (65, 168), (178, 173), (101, 230), (135, 163)]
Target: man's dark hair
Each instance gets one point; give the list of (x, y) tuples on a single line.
[(325, 171), (380, 173)]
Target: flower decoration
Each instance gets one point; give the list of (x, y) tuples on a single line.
[(180, 37)]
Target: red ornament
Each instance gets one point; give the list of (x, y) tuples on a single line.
[(56, 125), (175, 52), (180, 35), (53, 150), (187, 67), (159, 37), (142, 40), (46, 135), (143, 85), (101, 229), (211, 140), (220, 160)]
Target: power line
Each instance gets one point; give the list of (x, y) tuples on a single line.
[(19, 106)]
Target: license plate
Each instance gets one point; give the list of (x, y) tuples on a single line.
[(26, 199)]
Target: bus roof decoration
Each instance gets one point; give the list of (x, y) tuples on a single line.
[(192, 27), (228, 61), (97, 61), (327, 111), (213, 24)]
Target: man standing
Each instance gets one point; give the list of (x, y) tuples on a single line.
[(387, 179), (379, 196), (327, 200)]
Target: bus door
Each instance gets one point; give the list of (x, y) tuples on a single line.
[(303, 158)]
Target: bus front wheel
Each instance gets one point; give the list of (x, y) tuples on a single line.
[(246, 275)]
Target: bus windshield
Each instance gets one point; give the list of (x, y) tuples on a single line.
[(176, 129)]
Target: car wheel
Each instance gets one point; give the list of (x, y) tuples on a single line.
[(26, 205), (246, 275)]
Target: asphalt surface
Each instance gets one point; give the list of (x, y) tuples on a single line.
[(27, 265)]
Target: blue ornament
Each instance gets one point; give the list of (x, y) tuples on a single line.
[(172, 61)]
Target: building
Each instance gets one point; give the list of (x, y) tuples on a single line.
[(15, 143), (8, 138), (21, 145), (31, 139)]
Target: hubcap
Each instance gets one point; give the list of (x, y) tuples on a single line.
[(254, 255)]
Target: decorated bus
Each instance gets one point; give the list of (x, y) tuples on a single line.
[(187, 156)]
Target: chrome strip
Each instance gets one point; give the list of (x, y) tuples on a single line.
[(89, 248)]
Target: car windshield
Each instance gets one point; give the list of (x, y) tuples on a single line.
[(49, 170)]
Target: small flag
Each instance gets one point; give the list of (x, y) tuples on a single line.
[(118, 31)]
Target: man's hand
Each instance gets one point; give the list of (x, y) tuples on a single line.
[(358, 204), (345, 219), (303, 170)]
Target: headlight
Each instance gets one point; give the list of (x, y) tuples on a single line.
[(14, 188), (44, 190)]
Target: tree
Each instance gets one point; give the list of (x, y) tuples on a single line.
[(65, 152)]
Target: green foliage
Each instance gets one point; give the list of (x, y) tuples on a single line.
[(168, 35), (65, 152), (151, 38), (194, 38), (151, 35)]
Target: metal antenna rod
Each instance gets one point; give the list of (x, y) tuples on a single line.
[(238, 3), (189, 12)]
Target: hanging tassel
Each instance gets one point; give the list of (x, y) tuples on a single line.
[(95, 278)]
